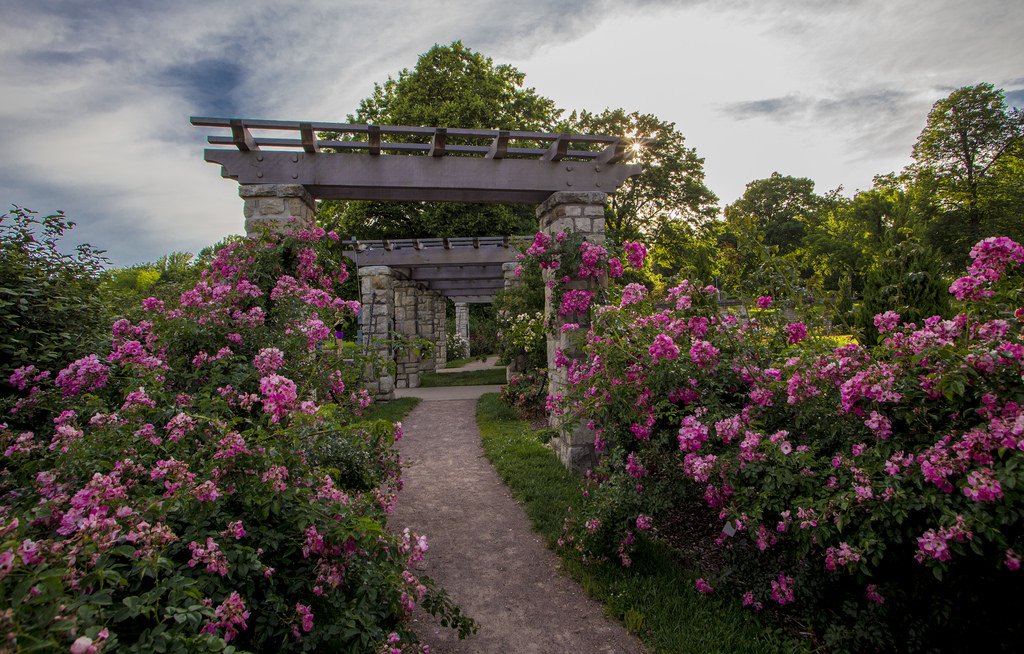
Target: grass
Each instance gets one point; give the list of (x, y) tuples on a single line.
[(655, 599), (392, 411), (458, 363), (467, 378)]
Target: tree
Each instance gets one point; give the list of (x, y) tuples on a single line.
[(969, 147), (671, 184), (450, 86), (778, 207)]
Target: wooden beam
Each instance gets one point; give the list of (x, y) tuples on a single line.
[(309, 143), (374, 139), (438, 273), (558, 149), (437, 147), (357, 176), (614, 153), (241, 138), (475, 285), (499, 147), (433, 257)]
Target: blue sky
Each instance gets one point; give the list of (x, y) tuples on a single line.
[(97, 95)]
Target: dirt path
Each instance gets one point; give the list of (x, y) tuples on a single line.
[(483, 549)]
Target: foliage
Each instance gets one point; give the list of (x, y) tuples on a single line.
[(968, 136), (50, 310), (450, 86), (524, 335), (875, 492), (672, 182), (205, 483), (483, 330), (907, 281), (526, 392), (456, 346), (655, 598)]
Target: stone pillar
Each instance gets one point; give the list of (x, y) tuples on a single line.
[(441, 329), (426, 327), (583, 213), (462, 321), (275, 205), (377, 294), (407, 371)]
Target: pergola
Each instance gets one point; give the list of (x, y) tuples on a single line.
[(282, 167)]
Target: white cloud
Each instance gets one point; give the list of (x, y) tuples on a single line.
[(97, 95)]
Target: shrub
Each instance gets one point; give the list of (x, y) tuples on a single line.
[(206, 479), (874, 492), (50, 310)]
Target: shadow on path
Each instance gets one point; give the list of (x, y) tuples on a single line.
[(483, 549)]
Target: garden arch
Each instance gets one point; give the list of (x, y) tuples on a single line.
[(282, 167)]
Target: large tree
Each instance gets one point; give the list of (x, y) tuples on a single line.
[(966, 162), (450, 86), (671, 185)]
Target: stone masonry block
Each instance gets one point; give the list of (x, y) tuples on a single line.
[(271, 206)]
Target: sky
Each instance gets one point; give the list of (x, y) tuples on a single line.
[(96, 95)]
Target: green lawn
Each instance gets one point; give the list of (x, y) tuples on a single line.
[(392, 411), (467, 378), (655, 598), (458, 363)]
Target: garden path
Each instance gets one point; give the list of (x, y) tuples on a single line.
[(483, 549)]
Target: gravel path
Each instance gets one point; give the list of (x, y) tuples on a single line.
[(483, 549)]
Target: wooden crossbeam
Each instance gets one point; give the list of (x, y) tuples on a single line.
[(499, 148), (433, 257), (439, 273), (309, 143), (373, 139), (559, 148), (614, 153), (241, 138), (437, 146)]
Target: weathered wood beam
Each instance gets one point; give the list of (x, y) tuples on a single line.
[(456, 272), (309, 142), (358, 176), (373, 136), (471, 299), (241, 138), (475, 285), (614, 153), (499, 148), (559, 148), (432, 257), (437, 146)]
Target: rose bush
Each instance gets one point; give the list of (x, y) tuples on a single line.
[(205, 483), (875, 492)]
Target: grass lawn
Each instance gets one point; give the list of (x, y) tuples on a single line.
[(458, 363), (655, 599), (392, 411), (468, 378)]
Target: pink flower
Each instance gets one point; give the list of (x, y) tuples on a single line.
[(305, 615), (643, 522), (796, 332), (575, 301), (872, 594), (633, 294), (703, 586), (279, 395), (635, 254), (210, 554), (782, 590), (764, 301), (663, 348), (703, 353), (86, 374), (887, 322)]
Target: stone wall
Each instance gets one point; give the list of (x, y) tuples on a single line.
[(377, 294), (275, 205), (407, 359), (441, 329)]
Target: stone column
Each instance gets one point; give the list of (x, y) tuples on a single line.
[(377, 294), (426, 328), (583, 213), (275, 205), (407, 371), (441, 329), (462, 320)]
